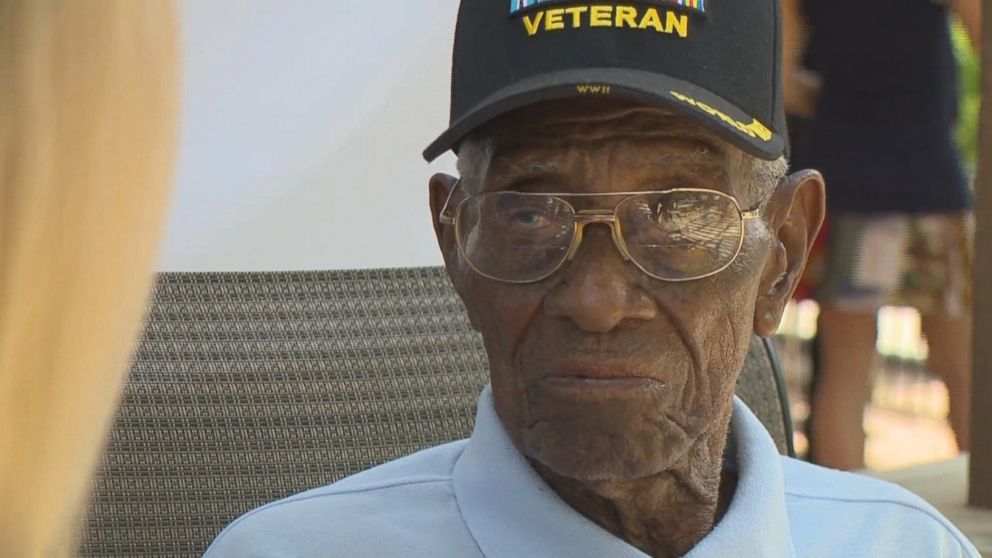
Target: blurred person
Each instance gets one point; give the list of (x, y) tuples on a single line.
[(878, 82), (799, 85), (618, 234), (88, 106)]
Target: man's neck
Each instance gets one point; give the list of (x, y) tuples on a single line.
[(664, 515)]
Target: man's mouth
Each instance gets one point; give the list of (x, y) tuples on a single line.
[(589, 379)]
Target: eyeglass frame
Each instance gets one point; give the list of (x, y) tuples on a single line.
[(585, 217)]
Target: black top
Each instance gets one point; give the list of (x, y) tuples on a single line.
[(883, 133)]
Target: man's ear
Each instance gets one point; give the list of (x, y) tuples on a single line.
[(795, 213), (441, 186)]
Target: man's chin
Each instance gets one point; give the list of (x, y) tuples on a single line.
[(585, 450)]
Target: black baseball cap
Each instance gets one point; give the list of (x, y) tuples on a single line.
[(717, 62)]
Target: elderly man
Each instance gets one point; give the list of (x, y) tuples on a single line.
[(622, 224)]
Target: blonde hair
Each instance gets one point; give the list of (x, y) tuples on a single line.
[(88, 102)]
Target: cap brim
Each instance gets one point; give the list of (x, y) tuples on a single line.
[(707, 109)]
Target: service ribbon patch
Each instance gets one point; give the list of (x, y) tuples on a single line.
[(697, 6)]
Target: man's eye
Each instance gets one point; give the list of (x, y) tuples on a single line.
[(529, 219)]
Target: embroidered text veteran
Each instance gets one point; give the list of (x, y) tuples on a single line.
[(603, 15)]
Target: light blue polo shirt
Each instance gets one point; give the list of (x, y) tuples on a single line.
[(480, 498)]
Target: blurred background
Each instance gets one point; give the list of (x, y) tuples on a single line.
[(304, 117), (906, 419), (301, 117)]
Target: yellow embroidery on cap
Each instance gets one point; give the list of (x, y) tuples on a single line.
[(661, 20), (576, 13), (591, 89), (601, 16), (533, 23), (755, 129), (626, 17), (652, 20), (554, 19), (677, 22)]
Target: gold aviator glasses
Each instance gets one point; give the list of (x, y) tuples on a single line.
[(680, 234)]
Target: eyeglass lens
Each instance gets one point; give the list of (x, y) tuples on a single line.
[(676, 235)]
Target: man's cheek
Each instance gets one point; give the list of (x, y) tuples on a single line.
[(505, 316), (728, 337), (711, 312)]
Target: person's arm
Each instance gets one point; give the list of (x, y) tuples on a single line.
[(801, 86), (970, 14)]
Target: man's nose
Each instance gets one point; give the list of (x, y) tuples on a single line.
[(599, 290)]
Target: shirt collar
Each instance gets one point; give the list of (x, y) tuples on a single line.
[(511, 512)]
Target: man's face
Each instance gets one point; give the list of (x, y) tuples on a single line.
[(600, 371)]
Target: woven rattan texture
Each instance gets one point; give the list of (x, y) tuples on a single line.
[(248, 387), (758, 388)]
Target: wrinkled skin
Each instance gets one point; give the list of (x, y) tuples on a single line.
[(644, 462)]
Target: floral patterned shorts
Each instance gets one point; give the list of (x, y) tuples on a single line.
[(863, 262)]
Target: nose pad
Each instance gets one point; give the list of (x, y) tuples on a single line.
[(614, 232), (598, 290)]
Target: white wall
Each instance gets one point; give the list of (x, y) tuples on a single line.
[(303, 126)]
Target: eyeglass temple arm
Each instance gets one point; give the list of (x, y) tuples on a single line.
[(447, 217)]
